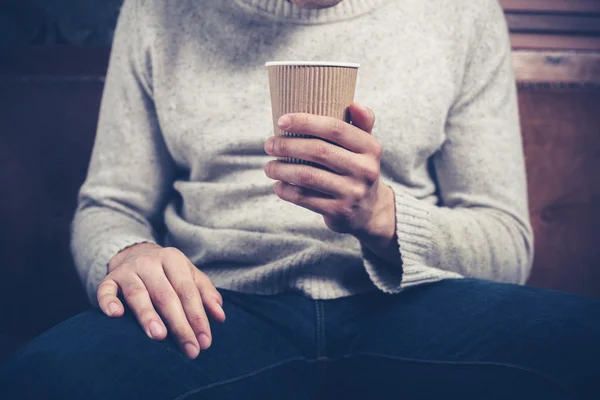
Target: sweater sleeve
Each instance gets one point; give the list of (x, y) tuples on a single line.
[(481, 228), (131, 171)]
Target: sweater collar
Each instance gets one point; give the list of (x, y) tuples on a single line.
[(283, 10)]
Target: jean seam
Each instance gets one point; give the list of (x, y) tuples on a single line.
[(323, 335), (319, 333), (240, 377), (482, 363)]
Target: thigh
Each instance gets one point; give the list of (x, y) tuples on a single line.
[(476, 336), (259, 351)]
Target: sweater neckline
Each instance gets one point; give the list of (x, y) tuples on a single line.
[(283, 10)]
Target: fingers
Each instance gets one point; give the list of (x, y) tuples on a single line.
[(331, 129), (308, 177), (168, 304), (329, 155), (137, 297), (107, 298), (211, 298), (162, 282), (305, 198), (181, 277)]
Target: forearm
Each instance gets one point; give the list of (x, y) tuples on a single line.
[(484, 243), (131, 170)]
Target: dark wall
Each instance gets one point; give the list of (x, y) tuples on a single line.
[(44, 22)]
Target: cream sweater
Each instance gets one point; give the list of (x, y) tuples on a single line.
[(186, 111)]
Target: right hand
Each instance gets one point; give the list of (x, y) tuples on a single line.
[(149, 276)]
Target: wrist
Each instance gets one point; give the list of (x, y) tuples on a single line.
[(118, 258), (381, 229)]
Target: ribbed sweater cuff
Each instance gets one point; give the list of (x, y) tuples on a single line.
[(106, 251), (415, 240)]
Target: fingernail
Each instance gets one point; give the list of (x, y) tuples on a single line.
[(204, 341), (220, 311), (284, 122), (269, 145), (113, 308), (156, 330), (190, 350)]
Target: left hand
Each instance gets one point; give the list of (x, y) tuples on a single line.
[(350, 196)]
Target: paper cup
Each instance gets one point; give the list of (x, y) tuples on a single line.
[(321, 88)]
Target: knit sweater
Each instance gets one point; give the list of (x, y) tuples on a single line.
[(178, 158)]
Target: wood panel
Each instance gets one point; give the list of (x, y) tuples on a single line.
[(554, 24), (539, 41), (584, 24), (561, 135), (559, 97), (557, 67), (561, 6)]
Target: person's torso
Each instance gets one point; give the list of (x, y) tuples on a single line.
[(211, 93)]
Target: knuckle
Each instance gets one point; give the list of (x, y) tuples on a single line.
[(307, 177), (105, 293), (293, 194), (344, 212), (330, 212), (344, 158), (201, 274), (103, 297), (358, 192), (303, 122), (163, 297), (377, 149), (121, 269), (370, 172), (200, 277), (188, 292), (322, 151), (135, 290), (182, 329), (105, 285), (338, 128), (281, 146), (198, 321), (169, 252), (145, 260)]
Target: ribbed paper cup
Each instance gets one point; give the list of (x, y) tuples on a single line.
[(321, 88)]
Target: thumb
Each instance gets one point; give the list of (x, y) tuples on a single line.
[(362, 117)]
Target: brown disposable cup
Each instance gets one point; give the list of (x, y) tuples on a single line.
[(321, 88)]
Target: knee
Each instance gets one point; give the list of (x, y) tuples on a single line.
[(72, 353)]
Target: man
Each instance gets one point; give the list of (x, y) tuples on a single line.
[(372, 278)]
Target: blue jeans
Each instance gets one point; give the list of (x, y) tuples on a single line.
[(466, 339)]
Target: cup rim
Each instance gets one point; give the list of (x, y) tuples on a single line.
[(313, 64)]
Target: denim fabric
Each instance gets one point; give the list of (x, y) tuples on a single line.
[(467, 339)]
